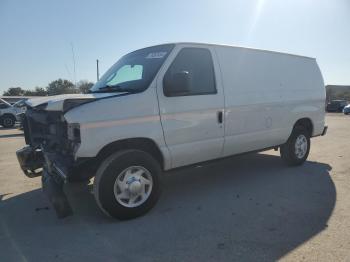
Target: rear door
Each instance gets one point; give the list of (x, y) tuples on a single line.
[(192, 121)]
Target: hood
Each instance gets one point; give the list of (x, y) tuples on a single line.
[(65, 102)]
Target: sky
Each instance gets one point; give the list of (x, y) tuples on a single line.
[(41, 39)]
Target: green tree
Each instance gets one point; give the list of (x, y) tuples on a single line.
[(38, 91), (84, 86), (61, 86), (14, 91)]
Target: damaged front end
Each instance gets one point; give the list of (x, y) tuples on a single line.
[(51, 145)]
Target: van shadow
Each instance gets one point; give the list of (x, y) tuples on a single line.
[(245, 208)]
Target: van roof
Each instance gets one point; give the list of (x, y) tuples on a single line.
[(250, 48)]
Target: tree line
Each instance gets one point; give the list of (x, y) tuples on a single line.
[(56, 87)]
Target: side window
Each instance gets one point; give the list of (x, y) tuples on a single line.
[(191, 73), (3, 106)]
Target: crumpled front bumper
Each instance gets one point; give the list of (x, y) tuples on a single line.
[(54, 191), (53, 176)]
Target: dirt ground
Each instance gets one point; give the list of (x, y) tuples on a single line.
[(245, 208)]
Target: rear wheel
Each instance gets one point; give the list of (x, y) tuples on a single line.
[(296, 150), (127, 184)]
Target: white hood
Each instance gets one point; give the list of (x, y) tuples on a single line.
[(55, 103)]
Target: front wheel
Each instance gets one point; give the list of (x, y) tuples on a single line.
[(296, 150), (8, 121), (127, 184)]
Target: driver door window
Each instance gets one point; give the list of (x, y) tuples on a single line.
[(198, 65)]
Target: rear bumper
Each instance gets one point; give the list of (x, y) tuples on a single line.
[(37, 163)]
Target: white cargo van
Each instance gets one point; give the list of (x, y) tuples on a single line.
[(169, 106)]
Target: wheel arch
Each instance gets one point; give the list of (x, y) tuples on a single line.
[(305, 123), (140, 143)]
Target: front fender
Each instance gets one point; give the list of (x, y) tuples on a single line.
[(109, 120)]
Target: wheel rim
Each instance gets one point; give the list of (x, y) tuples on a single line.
[(133, 186), (301, 146), (8, 122)]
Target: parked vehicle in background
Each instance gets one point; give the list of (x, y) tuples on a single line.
[(8, 114), (336, 105), (170, 106), (21, 104), (21, 109), (346, 110)]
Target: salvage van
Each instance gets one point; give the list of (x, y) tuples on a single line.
[(169, 106)]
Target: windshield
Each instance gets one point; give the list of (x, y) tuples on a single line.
[(133, 72)]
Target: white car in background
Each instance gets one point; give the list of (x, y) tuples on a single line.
[(346, 109), (8, 114)]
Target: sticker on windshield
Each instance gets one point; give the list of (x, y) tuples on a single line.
[(156, 55)]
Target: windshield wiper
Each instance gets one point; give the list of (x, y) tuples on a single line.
[(112, 88)]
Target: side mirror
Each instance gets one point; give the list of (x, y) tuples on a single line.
[(178, 84)]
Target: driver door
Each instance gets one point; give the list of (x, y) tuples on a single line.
[(192, 120)]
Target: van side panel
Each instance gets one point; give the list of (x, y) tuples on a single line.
[(265, 94)]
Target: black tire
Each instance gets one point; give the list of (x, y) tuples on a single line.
[(8, 121), (107, 175), (288, 150)]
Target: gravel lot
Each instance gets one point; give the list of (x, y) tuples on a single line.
[(245, 208)]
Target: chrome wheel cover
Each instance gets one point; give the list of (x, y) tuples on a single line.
[(301, 146), (133, 186)]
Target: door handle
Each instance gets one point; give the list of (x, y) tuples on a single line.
[(220, 117)]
